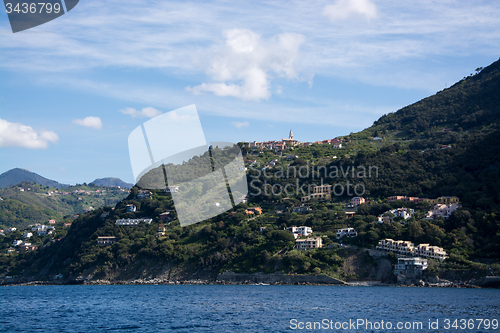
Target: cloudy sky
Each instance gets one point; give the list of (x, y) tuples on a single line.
[(73, 89)]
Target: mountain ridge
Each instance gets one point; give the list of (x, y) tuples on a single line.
[(18, 175)]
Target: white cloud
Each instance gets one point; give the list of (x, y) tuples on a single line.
[(346, 9), (92, 122), (148, 112), (239, 124), (246, 63), (177, 37), (19, 135)]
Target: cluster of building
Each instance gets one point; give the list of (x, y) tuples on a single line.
[(303, 243), (79, 192), (42, 229), (407, 248), (287, 143), (8, 230), (446, 200), (24, 245), (442, 206)]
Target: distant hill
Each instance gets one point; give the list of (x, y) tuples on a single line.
[(110, 181), (17, 175), (28, 203)]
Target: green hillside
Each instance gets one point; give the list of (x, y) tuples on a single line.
[(445, 145), (28, 202)]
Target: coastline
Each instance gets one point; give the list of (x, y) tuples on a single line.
[(218, 282)]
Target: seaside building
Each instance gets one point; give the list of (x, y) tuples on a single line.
[(143, 194), (411, 267), (356, 201), (172, 189), (161, 230), (133, 221), (442, 210), (130, 208), (301, 209), (405, 198), (300, 231), (320, 193), (308, 243), (444, 201), (106, 240), (404, 213), (428, 251), (407, 248), (349, 232), (253, 211), (165, 216)]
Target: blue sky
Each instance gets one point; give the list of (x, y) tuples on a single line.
[(73, 89)]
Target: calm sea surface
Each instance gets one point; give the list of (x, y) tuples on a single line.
[(219, 308)]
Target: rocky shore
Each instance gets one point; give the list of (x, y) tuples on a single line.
[(230, 278)]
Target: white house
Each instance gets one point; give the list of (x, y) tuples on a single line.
[(27, 235), (172, 189), (404, 213), (17, 242), (337, 145), (142, 194), (349, 232), (442, 210), (300, 231), (130, 208)]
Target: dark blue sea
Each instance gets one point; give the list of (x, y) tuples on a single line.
[(246, 308)]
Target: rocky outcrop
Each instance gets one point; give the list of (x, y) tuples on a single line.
[(277, 278)]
